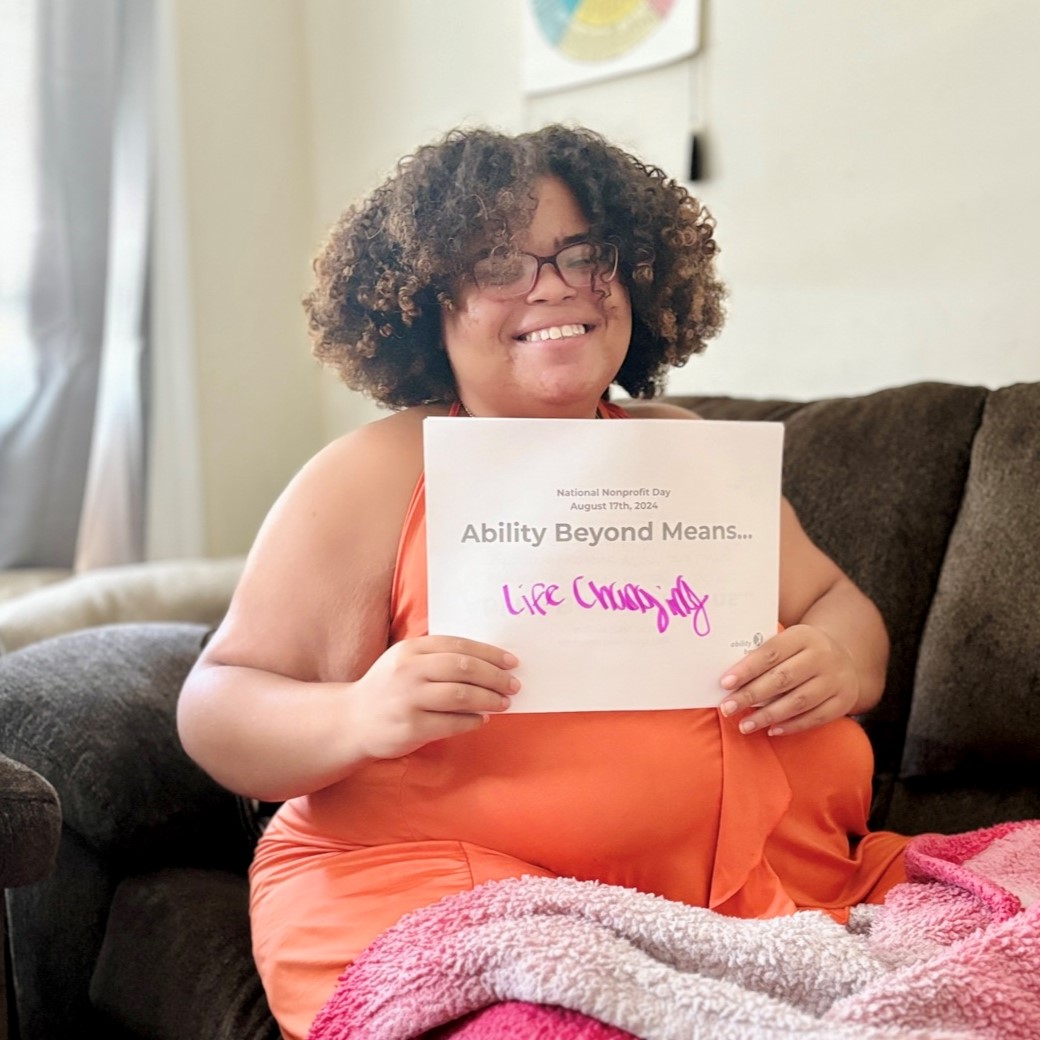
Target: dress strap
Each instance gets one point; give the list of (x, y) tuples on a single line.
[(606, 410)]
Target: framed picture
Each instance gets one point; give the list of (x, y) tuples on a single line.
[(572, 42)]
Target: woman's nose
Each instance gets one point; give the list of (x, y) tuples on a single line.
[(549, 283)]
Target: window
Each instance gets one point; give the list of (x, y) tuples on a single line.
[(17, 203)]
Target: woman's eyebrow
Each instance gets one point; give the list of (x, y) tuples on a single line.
[(560, 243), (569, 240)]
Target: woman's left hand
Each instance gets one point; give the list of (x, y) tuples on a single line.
[(799, 679)]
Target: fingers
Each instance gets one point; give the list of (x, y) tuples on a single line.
[(780, 722), (467, 647), (806, 706), (430, 688), (440, 725), (772, 655), (762, 676), (798, 680), (455, 675), (461, 697)]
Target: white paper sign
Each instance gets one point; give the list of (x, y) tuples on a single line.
[(627, 564)]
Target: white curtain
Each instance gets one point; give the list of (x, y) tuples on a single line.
[(112, 520), (72, 454), (174, 522)]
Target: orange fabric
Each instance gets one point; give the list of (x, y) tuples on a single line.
[(678, 803)]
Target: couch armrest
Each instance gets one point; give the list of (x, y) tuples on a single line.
[(194, 591), (95, 712), (30, 825)]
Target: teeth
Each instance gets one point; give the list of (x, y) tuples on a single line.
[(553, 332)]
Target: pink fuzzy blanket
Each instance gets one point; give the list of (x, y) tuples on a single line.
[(953, 954)]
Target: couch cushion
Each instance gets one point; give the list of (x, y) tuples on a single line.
[(94, 713), (162, 590), (176, 960), (877, 482), (976, 710), (948, 806), (55, 930)]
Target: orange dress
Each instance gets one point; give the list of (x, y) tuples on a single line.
[(678, 803)]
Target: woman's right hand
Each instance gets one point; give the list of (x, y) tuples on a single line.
[(428, 688)]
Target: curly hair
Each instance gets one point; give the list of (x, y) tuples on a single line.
[(391, 262)]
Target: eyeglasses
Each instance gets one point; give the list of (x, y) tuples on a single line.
[(505, 273)]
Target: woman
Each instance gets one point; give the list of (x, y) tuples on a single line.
[(511, 276)]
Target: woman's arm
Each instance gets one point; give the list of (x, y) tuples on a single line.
[(298, 686), (831, 658)]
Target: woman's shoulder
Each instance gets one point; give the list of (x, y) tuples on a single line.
[(334, 528), (396, 428), (655, 410), (394, 440), (360, 480)]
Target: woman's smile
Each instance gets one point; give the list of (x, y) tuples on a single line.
[(554, 332)]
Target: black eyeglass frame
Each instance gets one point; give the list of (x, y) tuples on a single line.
[(608, 251)]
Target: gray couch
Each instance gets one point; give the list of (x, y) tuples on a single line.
[(926, 494)]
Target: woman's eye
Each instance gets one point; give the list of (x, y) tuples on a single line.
[(578, 258), (499, 270)]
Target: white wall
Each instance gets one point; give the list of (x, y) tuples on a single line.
[(248, 212), (874, 169), (876, 179)]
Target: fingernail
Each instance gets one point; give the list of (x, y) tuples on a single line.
[(729, 681), (776, 731), (509, 660), (728, 707), (747, 726), (514, 684)]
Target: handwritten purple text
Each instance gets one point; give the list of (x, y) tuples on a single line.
[(540, 599)]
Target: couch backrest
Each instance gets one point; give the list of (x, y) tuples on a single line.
[(973, 735), (929, 497)]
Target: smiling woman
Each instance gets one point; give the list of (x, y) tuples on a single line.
[(495, 276)]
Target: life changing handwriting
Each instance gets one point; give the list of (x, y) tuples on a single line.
[(541, 599)]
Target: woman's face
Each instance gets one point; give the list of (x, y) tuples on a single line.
[(503, 365)]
